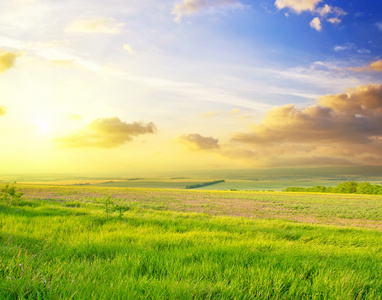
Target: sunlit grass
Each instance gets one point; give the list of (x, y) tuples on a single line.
[(62, 249)]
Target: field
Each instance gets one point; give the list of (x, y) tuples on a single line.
[(270, 184), (64, 242)]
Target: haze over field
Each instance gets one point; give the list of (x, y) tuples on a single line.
[(125, 86)]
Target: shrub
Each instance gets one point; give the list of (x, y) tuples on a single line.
[(9, 195), (347, 187)]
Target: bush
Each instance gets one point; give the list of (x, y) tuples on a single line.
[(10, 196), (348, 187)]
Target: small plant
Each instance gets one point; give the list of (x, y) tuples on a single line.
[(72, 204), (121, 209), (9, 195), (108, 205)]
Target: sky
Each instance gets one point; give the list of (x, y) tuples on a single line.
[(132, 87)]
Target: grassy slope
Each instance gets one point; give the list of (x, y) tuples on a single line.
[(51, 248)]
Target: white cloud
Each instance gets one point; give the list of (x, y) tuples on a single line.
[(379, 25), (364, 51), (297, 6), (346, 47), (340, 48), (96, 25), (316, 24), (334, 20), (334, 12), (323, 11)]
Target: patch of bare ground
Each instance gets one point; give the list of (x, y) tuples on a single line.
[(307, 208)]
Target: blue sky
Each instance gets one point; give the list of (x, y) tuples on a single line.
[(188, 84)]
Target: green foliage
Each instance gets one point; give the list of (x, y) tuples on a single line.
[(10, 196), (367, 188), (198, 185), (347, 187), (121, 209), (108, 205), (72, 204)]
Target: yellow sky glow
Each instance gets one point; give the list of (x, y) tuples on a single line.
[(150, 86)]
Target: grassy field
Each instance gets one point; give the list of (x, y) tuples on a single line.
[(169, 183), (59, 243)]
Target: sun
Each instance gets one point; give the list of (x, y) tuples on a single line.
[(44, 127)]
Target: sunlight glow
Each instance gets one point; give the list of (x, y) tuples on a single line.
[(44, 127)]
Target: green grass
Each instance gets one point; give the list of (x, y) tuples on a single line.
[(60, 245)]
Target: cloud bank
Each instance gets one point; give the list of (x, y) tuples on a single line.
[(105, 133), (346, 127)]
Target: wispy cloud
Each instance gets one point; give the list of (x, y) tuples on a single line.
[(345, 47), (129, 49), (57, 52), (374, 66), (189, 7), (210, 114), (351, 47), (195, 141), (105, 133), (76, 117), (235, 111), (24, 1), (96, 25), (323, 11)]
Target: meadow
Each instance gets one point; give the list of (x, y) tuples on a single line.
[(66, 242)]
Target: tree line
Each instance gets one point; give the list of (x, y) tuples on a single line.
[(347, 187), (198, 185)]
